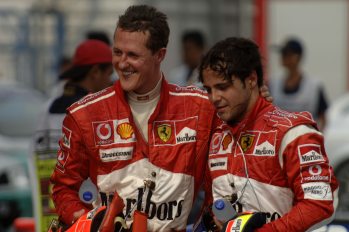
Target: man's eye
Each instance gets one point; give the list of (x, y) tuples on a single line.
[(208, 90), (117, 52), (132, 55), (223, 87)]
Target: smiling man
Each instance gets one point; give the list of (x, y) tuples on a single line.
[(143, 138), (264, 159)]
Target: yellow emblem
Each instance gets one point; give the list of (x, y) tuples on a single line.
[(125, 130), (246, 142), (164, 132)]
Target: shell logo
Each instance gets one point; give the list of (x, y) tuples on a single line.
[(125, 130), (226, 141)]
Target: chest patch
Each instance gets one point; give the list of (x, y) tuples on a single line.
[(174, 132), (257, 143), (310, 153), (113, 132), (116, 154)]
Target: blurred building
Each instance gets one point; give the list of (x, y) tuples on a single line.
[(37, 33)]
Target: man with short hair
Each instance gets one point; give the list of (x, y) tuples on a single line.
[(262, 158)]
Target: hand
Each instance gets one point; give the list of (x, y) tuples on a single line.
[(78, 214), (264, 92), (218, 223)]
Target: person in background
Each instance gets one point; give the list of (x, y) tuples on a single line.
[(193, 49), (262, 158), (98, 35), (296, 91), (89, 72)]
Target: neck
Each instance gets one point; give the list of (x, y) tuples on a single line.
[(146, 97)]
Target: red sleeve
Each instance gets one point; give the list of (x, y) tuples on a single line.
[(70, 171), (312, 181)]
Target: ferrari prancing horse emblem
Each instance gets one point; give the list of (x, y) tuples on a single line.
[(164, 132), (246, 142)]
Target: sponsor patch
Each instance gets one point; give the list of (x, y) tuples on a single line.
[(66, 135), (246, 141), (124, 130), (62, 157), (317, 191), (175, 132), (115, 154), (310, 153), (104, 133), (315, 173), (226, 141), (218, 164), (186, 135), (257, 143), (164, 131), (265, 146), (215, 143), (113, 132)]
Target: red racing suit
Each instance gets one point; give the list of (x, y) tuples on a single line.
[(100, 140), (274, 162)]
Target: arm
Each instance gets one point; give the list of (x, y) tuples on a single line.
[(311, 179), (71, 170)]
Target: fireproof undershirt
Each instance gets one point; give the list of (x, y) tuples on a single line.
[(142, 106)]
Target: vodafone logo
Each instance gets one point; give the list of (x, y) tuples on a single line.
[(215, 143), (103, 131), (315, 170)]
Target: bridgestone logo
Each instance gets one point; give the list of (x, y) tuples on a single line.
[(217, 164), (114, 154)]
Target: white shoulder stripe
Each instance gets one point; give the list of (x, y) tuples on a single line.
[(189, 94), (291, 135), (93, 101)]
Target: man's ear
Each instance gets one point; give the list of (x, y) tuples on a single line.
[(252, 80), (161, 54)]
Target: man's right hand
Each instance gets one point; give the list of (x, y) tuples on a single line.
[(78, 214)]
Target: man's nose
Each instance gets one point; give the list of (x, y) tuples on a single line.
[(123, 62), (215, 96)]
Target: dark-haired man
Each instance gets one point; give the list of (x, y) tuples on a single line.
[(262, 158)]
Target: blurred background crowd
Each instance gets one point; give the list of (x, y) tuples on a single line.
[(299, 40)]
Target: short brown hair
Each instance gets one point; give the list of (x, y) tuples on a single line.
[(144, 18)]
